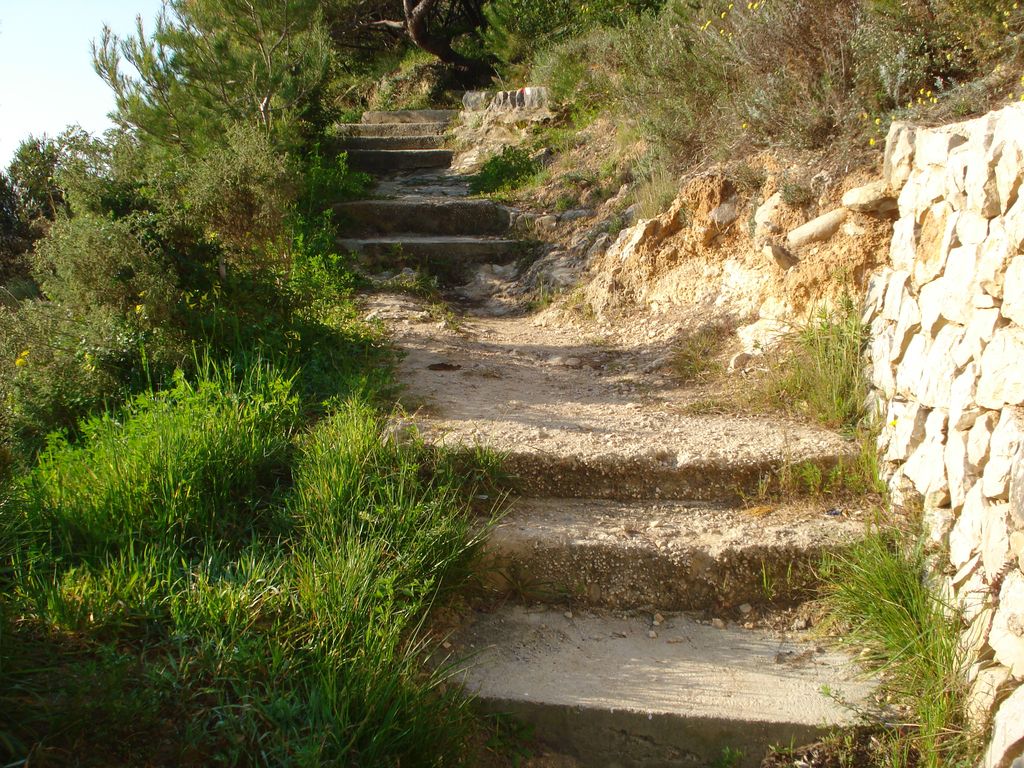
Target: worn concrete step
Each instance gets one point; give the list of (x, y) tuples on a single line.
[(390, 142), (451, 259), (608, 693), (385, 130), (411, 116), (390, 160), (426, 184), (424, 216), (708, 458), (668, 556)]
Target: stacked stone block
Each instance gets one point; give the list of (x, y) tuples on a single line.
[(947, 359)]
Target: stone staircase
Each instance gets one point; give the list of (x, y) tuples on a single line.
[(421, 218), (639, 589)]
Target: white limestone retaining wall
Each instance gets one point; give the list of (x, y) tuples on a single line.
[(947, 357)]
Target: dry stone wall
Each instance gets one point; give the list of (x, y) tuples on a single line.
[(947, 357)]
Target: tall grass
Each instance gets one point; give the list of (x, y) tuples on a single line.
[(196, 581), (879, 592), (821, 370)]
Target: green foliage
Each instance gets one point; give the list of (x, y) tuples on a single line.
[(878, 595), (715, 78), (192, 462), (506, 171), (240, 191), (216, 62), (236, 599), (517, 29), (56, 367), (33, 172), (90, 261), (825, 375)]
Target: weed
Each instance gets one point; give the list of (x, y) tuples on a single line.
[(796, 194), (878, 595), (823, 373), (543, 297), (694, 355), (730, 758), (504, 172)]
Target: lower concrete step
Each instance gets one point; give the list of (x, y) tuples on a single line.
[(668, 556), (411, 116), (622, 693), (390, 142), (383, 130), (390, 160), (425, 216), (450, 258)]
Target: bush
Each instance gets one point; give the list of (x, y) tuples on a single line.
[(517, 29), (57, 367), (240, 193), (89, 261), (504, 172)]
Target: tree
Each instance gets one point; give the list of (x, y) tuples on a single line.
[(432, 24), (214, 62)]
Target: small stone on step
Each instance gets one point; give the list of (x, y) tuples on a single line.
[(568, 614), (800, 624), (658, 619), (718, 624), (653, 635), (746, 608)]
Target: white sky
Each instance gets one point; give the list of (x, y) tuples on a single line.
[(46, 77)]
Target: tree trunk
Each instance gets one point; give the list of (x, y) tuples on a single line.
[(416, 14)]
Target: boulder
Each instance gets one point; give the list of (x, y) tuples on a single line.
[(926, 466), (473, 101), (1013, 291), (1007, 440), (817, 230), (899, 154), (783, 258), (874, 198)]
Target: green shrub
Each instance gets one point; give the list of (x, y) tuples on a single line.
[(517, 29), (56, 367), (89, 261), (241, 191), (504, 172)]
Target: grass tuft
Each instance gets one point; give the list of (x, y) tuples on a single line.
[(878, 593)]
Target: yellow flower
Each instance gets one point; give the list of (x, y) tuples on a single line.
[(22, 359), (878, 121), (871, 142)]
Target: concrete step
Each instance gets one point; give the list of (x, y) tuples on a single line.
[(451, 259), (428, 184), (424, 216), (666, 556), (385, 130), (390, 142), (411, 116), (608, 693), (391, 160), (708, 464)]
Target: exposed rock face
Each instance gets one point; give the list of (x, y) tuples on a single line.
[(947, 360)]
